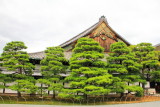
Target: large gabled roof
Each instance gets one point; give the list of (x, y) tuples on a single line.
[(89, 30), (41, 55)]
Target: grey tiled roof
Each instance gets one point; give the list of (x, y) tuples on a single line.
[(84, 33), (37, 55), (41, 55)]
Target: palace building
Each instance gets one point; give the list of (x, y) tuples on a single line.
[(100, 32)]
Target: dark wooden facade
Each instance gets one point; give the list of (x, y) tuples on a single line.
[(104, 36)]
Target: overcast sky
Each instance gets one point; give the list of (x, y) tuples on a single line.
[(44, 23)]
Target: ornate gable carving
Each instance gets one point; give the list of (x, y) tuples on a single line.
[(104, 36)]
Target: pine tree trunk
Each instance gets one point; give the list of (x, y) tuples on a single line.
[(85, 96), (32, 95), (143, 85), (122, 94), (4, 90), (18, 94), (54, 94), (48, 90), (4, 87), (20, 70), (139, 84), (41, 89), (128, 91)]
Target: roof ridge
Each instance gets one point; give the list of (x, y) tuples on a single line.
[(157, 45), (63, 44)]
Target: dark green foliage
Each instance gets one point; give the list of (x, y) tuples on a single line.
[(52, 64), (155, 76), (23, 83), (15, 59), (122, 61), (43, 91), (52, 68), (147, 58), (55, 87), (157, 54), (137, 89), (4, 79), (88, 76), (145, 54), (24, 86)]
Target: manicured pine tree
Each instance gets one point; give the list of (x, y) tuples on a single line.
[(133, 67), (122, 64), (155, 75), (53, 66), (115, 65), (147, 58), (15, 59), (133, 76), (41, 89), (88, 73)]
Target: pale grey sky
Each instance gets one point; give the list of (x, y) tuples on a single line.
[(44, 23)]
